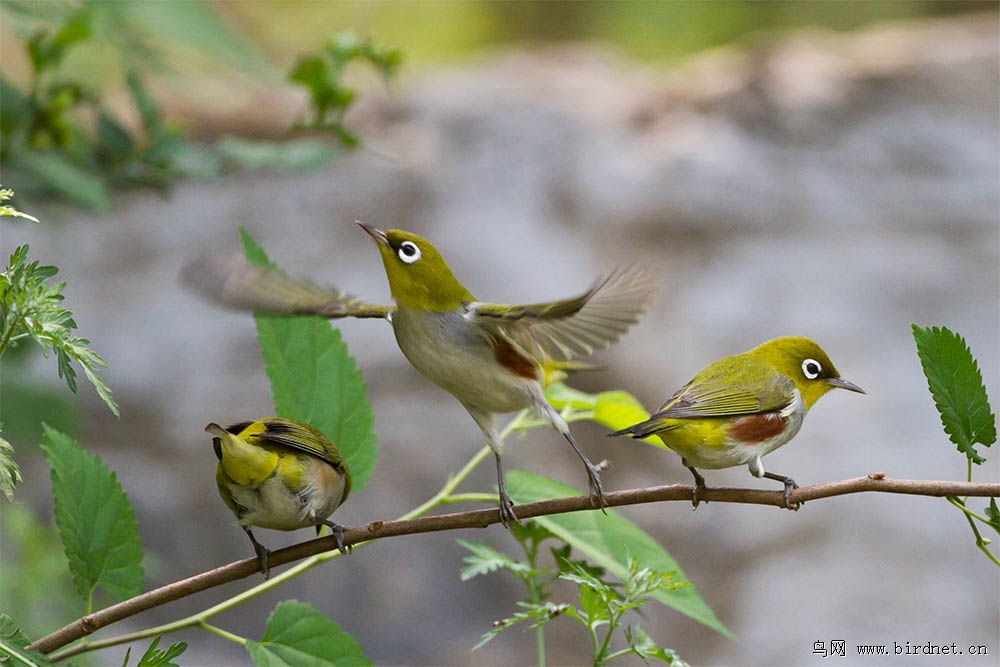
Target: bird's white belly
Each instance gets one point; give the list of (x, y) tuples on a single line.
[(273, 505), (741, 453), (448, 352)]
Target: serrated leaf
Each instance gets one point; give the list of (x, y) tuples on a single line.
[(96, 523), (609, 540), (296, 634), (10, 474), (13, 646), (644, 647), (315, 379), (486, 559), (957, 387), (537, 614), (153, 657)]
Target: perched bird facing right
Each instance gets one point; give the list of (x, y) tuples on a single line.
[(739, 408)]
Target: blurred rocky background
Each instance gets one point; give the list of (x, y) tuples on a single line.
[(835, 176)]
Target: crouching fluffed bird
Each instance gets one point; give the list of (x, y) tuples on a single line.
[(489, 356), (737, 409), (280, 474)]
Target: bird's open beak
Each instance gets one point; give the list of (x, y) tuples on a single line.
[(375, 233), (841, 383)]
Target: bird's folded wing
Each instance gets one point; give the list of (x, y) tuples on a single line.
[(238, 284), (720, 397), (301, 437), (562, 330)]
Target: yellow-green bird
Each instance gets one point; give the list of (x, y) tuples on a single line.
[(742, 407), (280, 474), (492, 357)]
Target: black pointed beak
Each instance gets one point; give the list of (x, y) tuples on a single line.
[(841, 383), (375, 233)]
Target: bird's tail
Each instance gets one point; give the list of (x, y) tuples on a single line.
[(642, 430), (557, 371)]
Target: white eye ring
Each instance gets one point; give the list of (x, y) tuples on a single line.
[(408, 252), (811, 369)]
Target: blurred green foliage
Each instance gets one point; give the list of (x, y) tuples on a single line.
[(35, 583), (322, 75), (652, 30), (63, 138)]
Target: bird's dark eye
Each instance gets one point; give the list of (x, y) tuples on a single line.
[(811, 369), (408, 252)]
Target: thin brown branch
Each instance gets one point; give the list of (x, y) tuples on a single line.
[(876, 482)]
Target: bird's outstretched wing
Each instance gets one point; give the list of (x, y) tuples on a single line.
[(237, 284), (575, 327)]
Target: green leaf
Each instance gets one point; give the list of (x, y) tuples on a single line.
[(10, 474), (316, 380), (15, 110), (34, 579), (537, 614), (311, 72), (956, 384), (486, 559), (296, 634), (993, 514), (29, 305), (644, 647), (10, 211), (614, 409), (153, 657), (13, 643), (295, 155), (95, 520), (149, 109), (115, 144), (608, 540), (66, 179)]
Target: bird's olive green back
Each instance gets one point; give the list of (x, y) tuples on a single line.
[(426, 284), (298, 436), (738, 385)]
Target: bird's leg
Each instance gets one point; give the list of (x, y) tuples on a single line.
[(507, 515), (261, 552), (756, 467), (593, 472), (487, 422), (593, 475), (699, 487), (338, 534), (790, 486)]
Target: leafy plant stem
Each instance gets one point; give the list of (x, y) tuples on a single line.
[(601, 654), (222, 633), (969, 516), (470, 497), (969, 513)]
